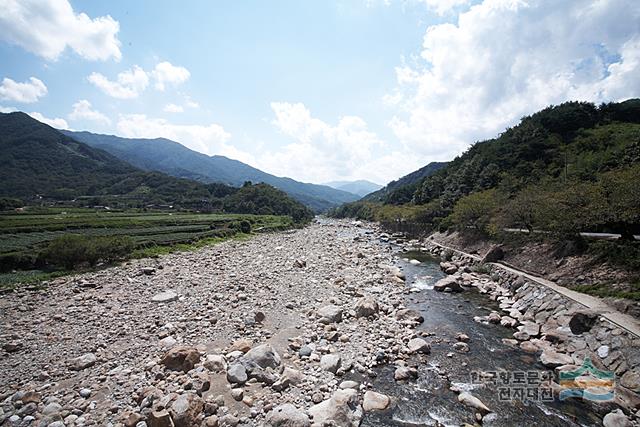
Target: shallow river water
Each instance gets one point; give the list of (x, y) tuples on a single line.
[(429, 400)]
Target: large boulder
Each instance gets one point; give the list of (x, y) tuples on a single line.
[(265, 356), (471, 401), (331, 362), (186, 410), (82, 362), (450, 282), (160, 419), (375, 401), (418, 345), (286, 415), (616, 418), (494, 254), (342, 409), (366, 307), (181, 358), (409, 315), (631, 380), (237, 374), (330, 314), (552, 359), (582, 321), (448, 267)]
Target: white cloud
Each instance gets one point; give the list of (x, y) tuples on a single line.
[(504, 59), (320, 151), (27, 92), (173, 108), (129, 84), (442, 7), (57, 123), (47, 27), (7, 109), (82, 111), (209, 139), (166, 73)]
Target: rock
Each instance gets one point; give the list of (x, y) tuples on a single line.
[(82, 362), (264, 356), (508, 322), (448, 267), (531, 328), (631, 380), (186, 410), (410, 315), (349, 384), (462, 337), (292, 375), (31, 397), (470, 400), (300, 263), (147, 270), (366, 307), (181, 358), (330, 314), (168, 342), (342, 409), (237, 394), (449, 282), (305, 351), (160, 419), (554, 359), (85, 393), (603, 351), (331, 362), (229, 421), (375, 401), (494, 254), (165, 296), (12, 346), (215, 363), (521, 336), (418, 345), (582, 321), (237, 374), (286, 415), (242, 345), (529, 347), (461, 347), (494, 318), (616, 418), (403, 373), (212, 421), (52, 408), (131, 419)]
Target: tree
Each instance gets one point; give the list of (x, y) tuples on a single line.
[(527, 209), (476, 210)]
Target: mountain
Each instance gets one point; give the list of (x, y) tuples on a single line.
[(361, 187), (403, 188), (175, 159), (566, 169), (39, 162)]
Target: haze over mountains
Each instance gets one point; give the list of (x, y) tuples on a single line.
[(175, 159), (360, 187)]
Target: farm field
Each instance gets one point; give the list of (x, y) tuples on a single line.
[(25, 235)]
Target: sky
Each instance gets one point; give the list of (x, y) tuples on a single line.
[(317, 91)]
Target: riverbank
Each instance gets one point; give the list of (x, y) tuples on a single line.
[(293, 328)]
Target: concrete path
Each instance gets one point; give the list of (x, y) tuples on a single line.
[(629, 323)]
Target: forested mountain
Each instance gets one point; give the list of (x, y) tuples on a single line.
[(37, 162), (360, 187), (567, 168), (401, 190), (175, 159)]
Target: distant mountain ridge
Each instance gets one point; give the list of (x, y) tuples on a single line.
[(173, 158), (360, 187), (406, 184)]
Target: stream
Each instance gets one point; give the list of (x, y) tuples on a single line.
[(429, 401)]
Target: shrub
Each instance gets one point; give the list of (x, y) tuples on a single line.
[(71, 250)]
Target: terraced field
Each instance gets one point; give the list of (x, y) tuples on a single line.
[(24, 235)]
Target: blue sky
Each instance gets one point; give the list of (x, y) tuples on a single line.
[(317, 91)]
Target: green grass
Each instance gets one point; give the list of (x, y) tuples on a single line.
[(604, 290), (24, 236)]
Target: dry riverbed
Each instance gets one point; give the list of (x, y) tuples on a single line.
[(268, 331)]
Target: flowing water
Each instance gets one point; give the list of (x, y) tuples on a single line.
[(428, 401)]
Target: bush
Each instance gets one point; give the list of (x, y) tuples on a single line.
[(72, 250), (243, 226)]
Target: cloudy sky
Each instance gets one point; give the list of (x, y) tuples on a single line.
[(318, 91)]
